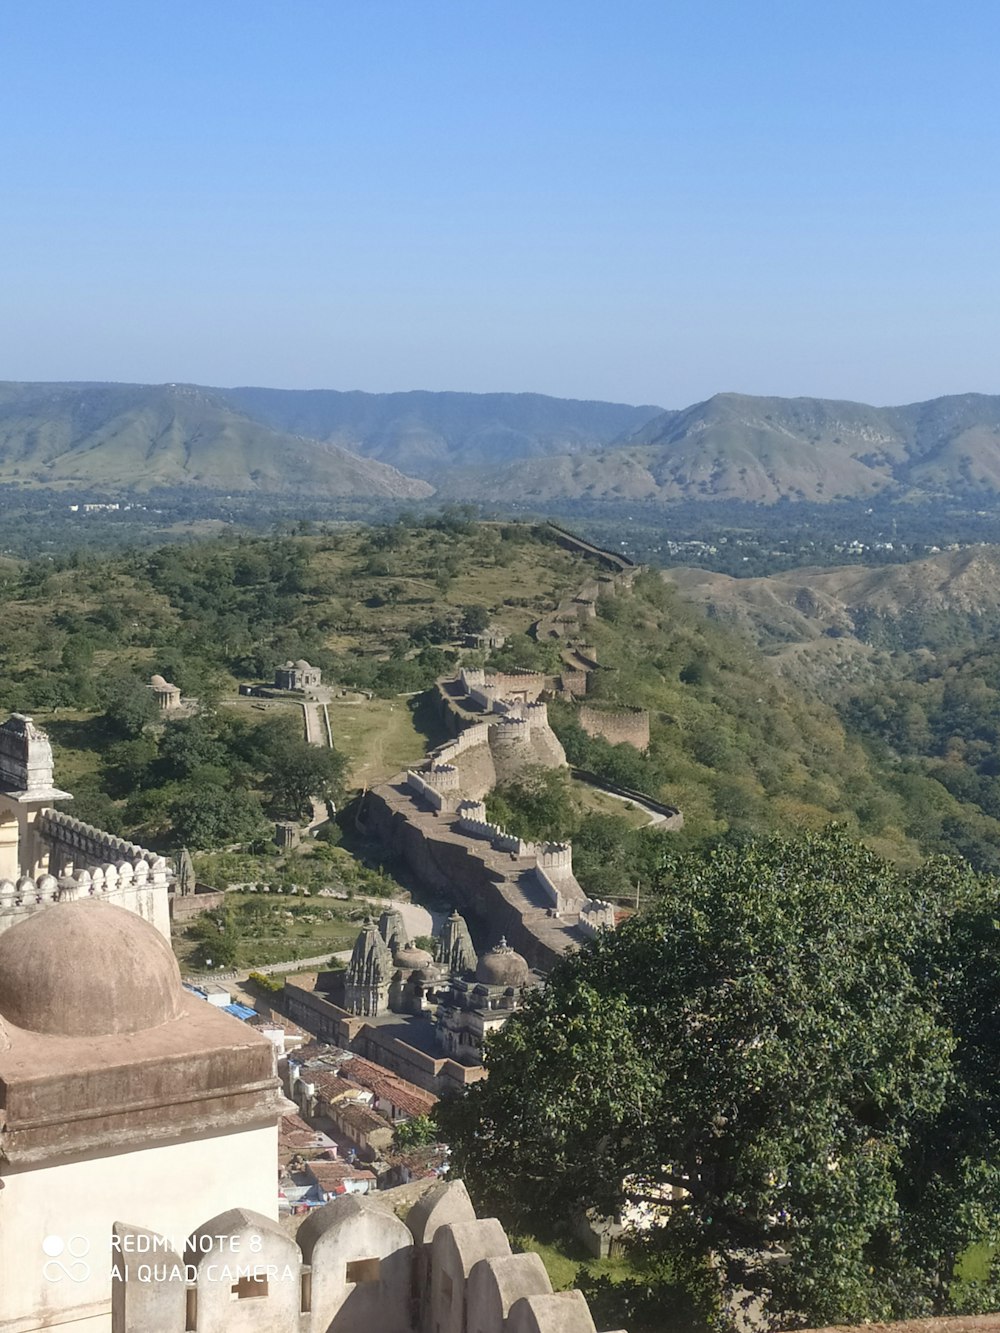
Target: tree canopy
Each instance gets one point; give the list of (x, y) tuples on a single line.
[(793, 1053)]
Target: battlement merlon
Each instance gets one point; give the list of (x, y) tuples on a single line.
[(138, 886)]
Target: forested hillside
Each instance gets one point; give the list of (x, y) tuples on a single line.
[(384, 610), (908, 657), (741, 447)]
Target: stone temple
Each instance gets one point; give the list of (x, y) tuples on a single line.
[(467, 996), (297, 676)]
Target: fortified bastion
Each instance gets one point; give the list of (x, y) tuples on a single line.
[(618, 726), (435, 818)]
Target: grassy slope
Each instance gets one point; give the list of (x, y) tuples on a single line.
[(143, 436)]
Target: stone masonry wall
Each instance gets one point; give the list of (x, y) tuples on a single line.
[(71, 841), (495, 888), (627, 725)]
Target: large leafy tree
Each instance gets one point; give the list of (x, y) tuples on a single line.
[(294, 771), (785, 1060)]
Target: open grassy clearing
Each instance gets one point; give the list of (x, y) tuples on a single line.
[(379, 737), (563, 1259)]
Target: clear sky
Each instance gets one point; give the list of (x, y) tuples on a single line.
[(641, 200)]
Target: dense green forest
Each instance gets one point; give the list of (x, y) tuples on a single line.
[(936, 728)]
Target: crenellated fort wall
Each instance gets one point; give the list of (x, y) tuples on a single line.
[(502, 884), (71, 842), (411, 1260), (139, 886)]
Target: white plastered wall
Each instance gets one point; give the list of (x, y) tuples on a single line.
[(167, 1189)]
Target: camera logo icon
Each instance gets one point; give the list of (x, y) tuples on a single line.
[(66, 1258)]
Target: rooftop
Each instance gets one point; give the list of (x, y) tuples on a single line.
[(405, 1096), (355, 1115), (332, 1085), (331, 1175)]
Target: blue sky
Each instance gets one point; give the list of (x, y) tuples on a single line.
[(644, 200)]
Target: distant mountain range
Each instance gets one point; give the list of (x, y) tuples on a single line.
[(736, 447), (521, 447), (818, 626), (429, 434)]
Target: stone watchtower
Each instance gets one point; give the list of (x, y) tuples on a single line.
[(26, 787), (366, 987)]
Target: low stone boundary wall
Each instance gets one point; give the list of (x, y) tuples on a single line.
[(674, 819)]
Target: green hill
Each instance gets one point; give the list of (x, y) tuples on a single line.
[(517, 449), (907, 654), (137, 438), (428, 434)]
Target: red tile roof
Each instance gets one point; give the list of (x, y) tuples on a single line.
[(328, 1175), (359, 1117), (405, 1096), (331, 1085), (297, 1133)]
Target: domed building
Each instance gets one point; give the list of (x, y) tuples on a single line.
[(502, 968), (124, 1096), (474, 1006), (297, 675), (414, 981), (167, 696), (387, 971)]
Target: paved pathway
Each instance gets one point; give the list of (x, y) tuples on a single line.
[(313, 720)]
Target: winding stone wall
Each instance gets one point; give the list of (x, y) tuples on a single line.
[(491, 877)]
